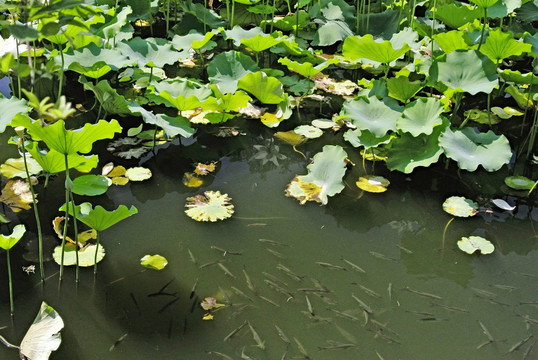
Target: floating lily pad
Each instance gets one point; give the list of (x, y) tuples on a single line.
[(204, 169), (473, 243), (519, 182), (373, 183), (15, 167), (308, 131), (460, 206), (138, 174), (91, 185), (211, 206), (155, 262), (86, 255), (43, 336), (8, 241)]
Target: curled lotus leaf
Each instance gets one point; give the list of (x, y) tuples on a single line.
[(473, 243), (43, 336), (155, 262), (8, 241), (373, 183), (460, 206), (211, 206), (86, 255)]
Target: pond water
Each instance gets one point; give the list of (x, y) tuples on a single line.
[(425, 299)]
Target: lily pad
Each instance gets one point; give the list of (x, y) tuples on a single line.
[(460, 206), (473, 243), (155, 262), (43, 336), (373, 183), (8, 241), (86, 255), (91, 185), (15, 167), (308, 131), (138, 174), (211, 206), (519, 182)]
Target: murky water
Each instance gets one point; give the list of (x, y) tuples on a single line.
[(423, 299)]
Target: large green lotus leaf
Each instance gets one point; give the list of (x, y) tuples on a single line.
[(149, 52), (471, 149), (8, 241), (90, 55), (227, 68), (460, 206), (473, 243), (86, 255), (331, 32), (466, 71), (95, 71), (484, 3), (114, 26), (15, 168), (366, 47), (502, 8), (453, 40), (90, 185), (43, 336), (523, 98), (306, 69), (203, 14), (233, 102), (456, 16), (528, 12), (517, 77), (401, 88), (409, 152), (172, 126), (324, 177), (11, 107), (267, 89), (237, 34), (260, 42), (421, 116), (533, 40), (191, 41), (500, 45), (69, 141), (181, 94), (289, 22), (376, 116), (365, 138), (108, 97), (100, 219), (519, 182), (155, 262), (211, 206), (53, 162)]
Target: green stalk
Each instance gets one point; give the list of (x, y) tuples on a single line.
[(368, 18), (297, 19), (167, 16), (76, 237), (61, 82), (11, 303), (96, 251), (532, 136), (36, 212), (444, 231), (66, 221), (205, 25), (483, 28), (228, 12), (273, 15), (233, 14)]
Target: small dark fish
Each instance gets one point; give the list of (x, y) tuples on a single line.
[(245, 356), (362, 304), (240, 293), (528, 303), (193, 290), (367, 290), (191, 255), (235, 331), (343, 314), (167, 305), (282, 335), (423, 313), (275, 253), (331, 266), (424, 294), (318, 284), (432, 319), (226, 252), (313, 290), (405, 249), (381, 256), (336, 347), (523, 274), (134, 300), (493, 301), (354, 266), (117, 342), (519, 344), (250, 284), (226, 271), (528, 319), (288, 272), (257, 339), (210, 263), (268, 300), (272, 242)]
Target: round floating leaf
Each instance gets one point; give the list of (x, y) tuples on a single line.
[(501, 204), (471, 149), (519, 182), (421, 116), (8, 241), (324, 123), (86, 255), (373, 183), (155, 262), (308, 131), (43, 336), (138, 174), (211, 206), (473, 243), (460, 206), (91, 185), (15, 167)]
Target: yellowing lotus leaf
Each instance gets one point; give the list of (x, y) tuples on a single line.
[(15, 168), (58, 228), (210, 303), (204, 169), (120, 180), (191, 180), (155, 262), (303, 191), (372, 183), (211, 206), (138, 174), (116, 171), (107, 169), (16, 194)]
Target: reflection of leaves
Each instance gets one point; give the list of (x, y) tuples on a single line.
[(267, 152), (128, 148), (16, 194), (211, 206), (43, 336)]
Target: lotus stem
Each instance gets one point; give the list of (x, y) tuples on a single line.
[(96, 251), (532, 188), (76, 237), (483, 29), (167, 16), (11, 303), (205, 24), (532, 135), (66, 221), (7, 343), (273, 15), (233, 14), (61, 75), (444, 232)]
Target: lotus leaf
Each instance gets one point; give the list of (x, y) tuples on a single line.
[(113, 27), (501, 204), (152, 52), (306, 69), (484, 3), (373, 183), (366, 47), (376, 116), (342, 88), (473, 243), (324, 123), (265, 88), (155, 262), (506, 113), (204, 15), (453, 40), (116, 171), (119, 180), (86, 255), (237, 34), (15, 168), (138, 174), (308, 131), (519, 182), (90, 185), (482, 116), (260, 42), (290, 137), (53, 162), (16, 194), (172, 126), (99, 218), (421, 116), (503, 8), (524, 100), (43, 336), (528, 12), (191, 41), (211, 206), (227, 68), (500, 45), (10, 108), (331, 32), (365, 138), (181, 94), (108, 97), (401, 88), (324, 176), (204, 169), (88, 56), (8, 241), (517, 77), (465, 71), (471, 149), (191, 180), (460, 206), (4, 219), (408, 152), (456, 16)]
